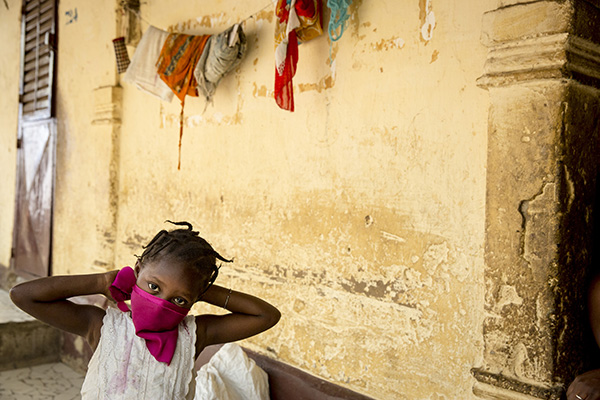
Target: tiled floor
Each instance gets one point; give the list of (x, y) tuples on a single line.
[(41, 382), (48, 381)]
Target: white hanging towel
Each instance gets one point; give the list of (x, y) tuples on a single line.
[(142, 70)]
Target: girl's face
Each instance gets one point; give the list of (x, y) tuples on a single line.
[(170, 280)]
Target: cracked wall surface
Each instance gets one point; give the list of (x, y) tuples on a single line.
[(541, 188), (540, 230), (523, 214), (360, 215), (424, 238)]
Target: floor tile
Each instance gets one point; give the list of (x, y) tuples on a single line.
[(48, 381)]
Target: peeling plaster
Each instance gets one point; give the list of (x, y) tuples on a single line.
[(324, 83), (205, 21), (389, 44), (435, 256), (361, 304), (519, 360), (541, 203), (570, 188), (427, 18), (261, 91), (508, 295), (171, 119), (264, 15)]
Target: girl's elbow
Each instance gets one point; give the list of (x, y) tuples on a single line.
[(274, 317), (17, 296)]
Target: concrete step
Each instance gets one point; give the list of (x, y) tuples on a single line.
[(24, 341)]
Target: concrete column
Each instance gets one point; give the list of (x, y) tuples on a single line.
[(542, 74)]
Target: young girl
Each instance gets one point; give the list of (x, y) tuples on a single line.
[(148, 352)]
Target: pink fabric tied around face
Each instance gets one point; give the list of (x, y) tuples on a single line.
[(155, 319), (121, 288)]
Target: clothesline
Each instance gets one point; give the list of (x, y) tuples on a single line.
[(139, 14), (188, 65)]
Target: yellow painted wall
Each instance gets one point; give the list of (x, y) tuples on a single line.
[(86, 64), (10, 23), (360, 215)]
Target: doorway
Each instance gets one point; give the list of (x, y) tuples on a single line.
[(36, 143)]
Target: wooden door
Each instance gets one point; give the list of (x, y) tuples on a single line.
[(35, 169), (36, 145)]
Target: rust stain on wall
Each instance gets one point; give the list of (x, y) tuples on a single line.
[(171, 120), (422, 11), (267, 15), (261, 91), (427, 20), (323, 84), (389, 44), (354, 20), (205, 21)]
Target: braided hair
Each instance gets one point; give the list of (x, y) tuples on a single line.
[(184, 245)]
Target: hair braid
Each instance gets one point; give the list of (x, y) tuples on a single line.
[(184, 245)]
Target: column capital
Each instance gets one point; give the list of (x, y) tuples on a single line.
[(539, 41)]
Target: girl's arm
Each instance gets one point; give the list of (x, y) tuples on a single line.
[(249, 316), (594, 307), (587, 385), (46, 300)]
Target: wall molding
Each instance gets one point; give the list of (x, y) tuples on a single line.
[(555, 56), (107, 105)]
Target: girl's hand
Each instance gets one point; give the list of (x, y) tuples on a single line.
[(586, 386)]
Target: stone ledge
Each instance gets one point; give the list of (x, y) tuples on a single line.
[(498, 387), (27, 343)]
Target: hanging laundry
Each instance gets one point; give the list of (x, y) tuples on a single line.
[(142, 70), (222, 53), (176, 65), (296, 20), (338, 18), (177, 62), (167, 64)]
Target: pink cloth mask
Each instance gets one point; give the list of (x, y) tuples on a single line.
[(155, 320)]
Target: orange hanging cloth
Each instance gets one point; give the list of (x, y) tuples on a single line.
[(176, 65)]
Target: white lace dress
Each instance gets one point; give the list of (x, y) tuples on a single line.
[(123, 368)]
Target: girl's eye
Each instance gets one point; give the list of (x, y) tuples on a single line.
[(153, 287), (179, 301)]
